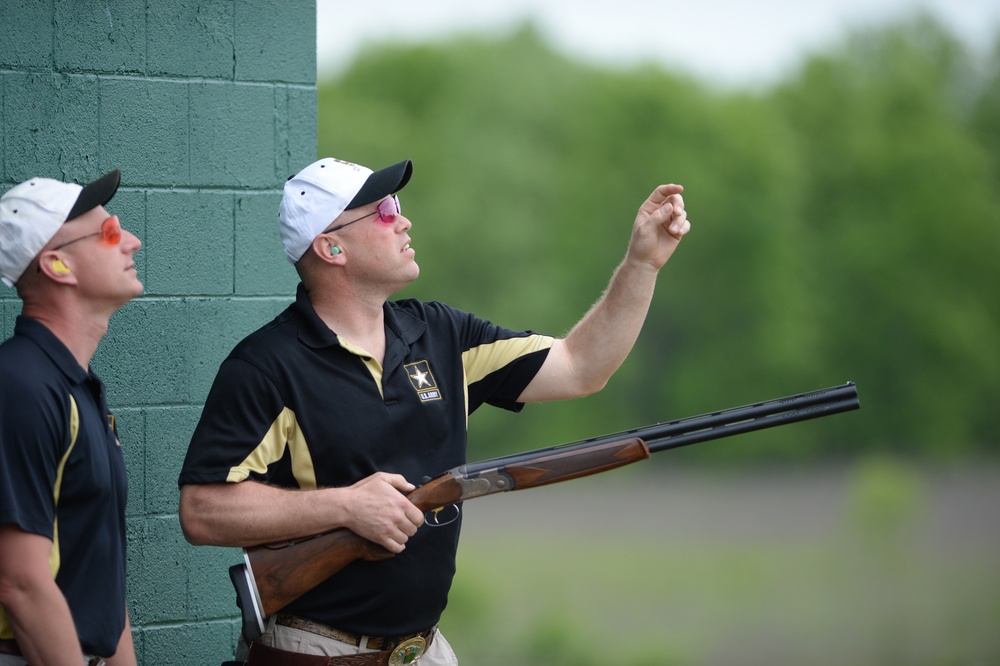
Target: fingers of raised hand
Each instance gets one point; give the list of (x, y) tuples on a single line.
[(666, 191), (678, 230), (659, 198), (676, 222)]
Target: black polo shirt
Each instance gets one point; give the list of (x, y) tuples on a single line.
[(62, 475), (295, 406)]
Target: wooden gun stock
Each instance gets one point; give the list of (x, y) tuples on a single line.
[(274, 575)]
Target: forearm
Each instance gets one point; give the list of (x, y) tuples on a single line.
[(43, 626), (603, 338), (250, 513), (583, 362)]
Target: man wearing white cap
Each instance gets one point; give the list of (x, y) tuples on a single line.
[(324, 417), (62, 474)]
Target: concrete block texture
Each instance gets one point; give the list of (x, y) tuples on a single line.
[(206, 107), (189, 644), (166, 351), (100, 36), (50, 126), (27, 34), (261, 267), (189, 243), (275, 41), (226, 118), (191, 38), (145, 130)]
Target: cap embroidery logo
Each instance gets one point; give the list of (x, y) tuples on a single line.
[(350, 164), (423, 381)]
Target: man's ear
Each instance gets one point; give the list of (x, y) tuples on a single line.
[(53, 267), (327, 250)]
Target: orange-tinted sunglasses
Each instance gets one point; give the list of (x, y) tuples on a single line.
[(110, 233)]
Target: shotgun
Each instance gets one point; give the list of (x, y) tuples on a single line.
[(273, 575)]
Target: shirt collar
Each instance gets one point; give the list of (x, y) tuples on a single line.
[(53, 347), (314, 332)]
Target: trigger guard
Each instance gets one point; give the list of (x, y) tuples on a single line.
[(434, 518)]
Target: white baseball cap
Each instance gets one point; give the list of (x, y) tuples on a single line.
[(317, 195), (32, 212)]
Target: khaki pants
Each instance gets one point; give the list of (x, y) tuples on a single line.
[(296, 640)]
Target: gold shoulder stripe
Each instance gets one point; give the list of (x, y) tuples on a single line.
[(283, 433), (484, 359)]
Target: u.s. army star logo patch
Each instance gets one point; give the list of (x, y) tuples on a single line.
[(422, 381)]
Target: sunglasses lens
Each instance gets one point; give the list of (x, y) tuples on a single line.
[(111, 231), (389, 209)]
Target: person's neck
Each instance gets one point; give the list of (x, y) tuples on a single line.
[(359, 321), (79, 331)]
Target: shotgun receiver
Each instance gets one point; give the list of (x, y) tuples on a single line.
[(273, 575)]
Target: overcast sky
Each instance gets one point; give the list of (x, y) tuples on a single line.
[(727, 41)]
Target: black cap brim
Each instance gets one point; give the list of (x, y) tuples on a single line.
[(96, 193), (382, 183)]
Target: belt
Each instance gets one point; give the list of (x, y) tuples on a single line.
[(351, 638), (265, 655), (9, 646)]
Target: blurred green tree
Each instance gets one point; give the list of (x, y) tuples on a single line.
[(903, 217), (846, 224)]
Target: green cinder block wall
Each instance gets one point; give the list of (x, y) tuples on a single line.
[(206, 107)]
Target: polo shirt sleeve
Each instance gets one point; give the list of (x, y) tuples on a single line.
[(34, 442), (242, 430), (500, 363)]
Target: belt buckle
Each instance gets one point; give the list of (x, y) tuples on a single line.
[(408, 651)]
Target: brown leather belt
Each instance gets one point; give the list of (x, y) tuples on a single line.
[(265, 655), (351, 638), (390, 650)]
